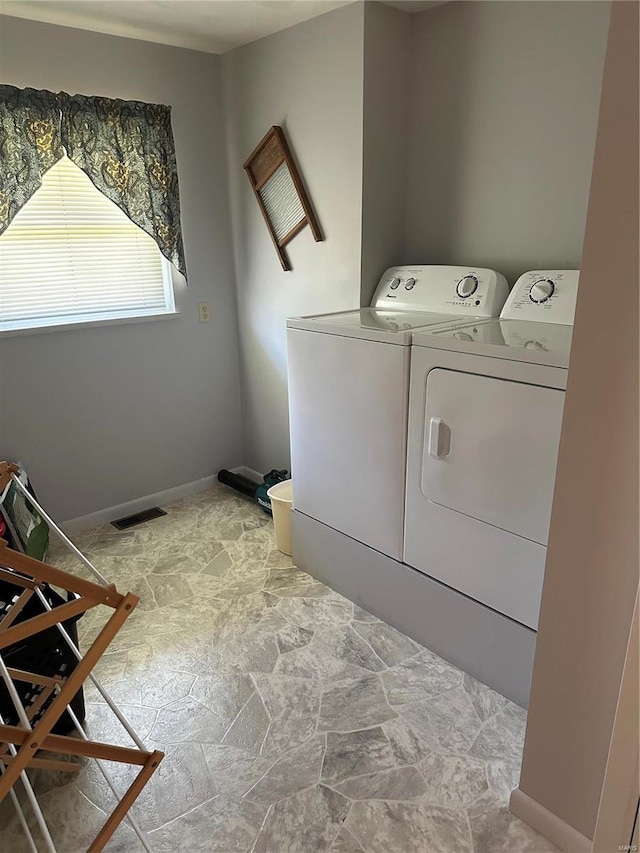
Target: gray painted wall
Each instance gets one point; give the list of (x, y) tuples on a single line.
[(387, 96), (502, 132), (462, 134), (106, 415), (309, 80)]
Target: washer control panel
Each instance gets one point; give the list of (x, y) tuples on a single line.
[(464, 291), (548, 296)]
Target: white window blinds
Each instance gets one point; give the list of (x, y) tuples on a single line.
[(72, 256)]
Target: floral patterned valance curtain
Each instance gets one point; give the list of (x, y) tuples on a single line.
[(30, 143), (125, 147)]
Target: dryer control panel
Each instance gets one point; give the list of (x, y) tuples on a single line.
[(464, 291), (548, 296)]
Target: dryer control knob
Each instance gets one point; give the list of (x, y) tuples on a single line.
[(462, 336), (393, 284), (467, 286), (542, 290)]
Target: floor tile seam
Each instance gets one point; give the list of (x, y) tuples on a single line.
[(351, 831), (483, 726), (419, 737), (408, 660), (420, 650), (428, 698), (184, 814), (282, 756), (500, 710), (366, 673), (285, 587), (316, 730), (259, 832), (386, 697), (264, 775), (469, 830), (417, 800), (342, 823), (488, 781), (361, 846), (411, 801), (468, 805), (86, 798), (422, 772), (240, 712), (356, 731), (156, 708), (120, 705), (288, 617), (102, 785), (282, 799), (143, 737), (364, 640), (463, 756), (369, 773), (153, 787), (492, 791), (324, 755), (177, 672), (201, 704)]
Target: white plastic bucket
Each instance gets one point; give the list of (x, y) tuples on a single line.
[(281, 496)]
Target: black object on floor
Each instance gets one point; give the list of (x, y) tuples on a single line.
[(46, 653), (257, 491), (138, 518), (238, 482)]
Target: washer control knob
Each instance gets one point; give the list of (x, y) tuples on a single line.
[(535, 345), (467, 286), (409, 284), (542, 290), (393, 284), (463, 336)]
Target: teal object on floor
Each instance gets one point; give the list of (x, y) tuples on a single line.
[(274, 476)]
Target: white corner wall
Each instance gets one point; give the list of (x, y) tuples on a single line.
[(309, 80), (106, 415)]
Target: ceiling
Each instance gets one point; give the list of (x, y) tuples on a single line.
[(215, 26)]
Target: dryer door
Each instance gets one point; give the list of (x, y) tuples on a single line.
[(490, 448)]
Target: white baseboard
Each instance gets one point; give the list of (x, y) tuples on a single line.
[(104, 516), (562, 834)]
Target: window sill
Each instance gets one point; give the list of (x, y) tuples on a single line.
[(88, 324)]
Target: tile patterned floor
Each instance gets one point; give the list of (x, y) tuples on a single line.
[(292, 720)]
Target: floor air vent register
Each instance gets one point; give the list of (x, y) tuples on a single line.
[(138, 518)]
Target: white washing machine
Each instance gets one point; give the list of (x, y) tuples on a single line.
[(485, 415), (349, 392)]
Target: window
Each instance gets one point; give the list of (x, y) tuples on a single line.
[(71, 255)]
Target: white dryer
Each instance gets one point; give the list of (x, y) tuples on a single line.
[(349, 392), (485, 416)]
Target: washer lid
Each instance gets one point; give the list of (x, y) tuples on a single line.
[(374, 324), (515, 340)]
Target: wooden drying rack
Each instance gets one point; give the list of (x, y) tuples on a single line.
[(20, 745)]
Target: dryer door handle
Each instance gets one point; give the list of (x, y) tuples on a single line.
[(436, 428)]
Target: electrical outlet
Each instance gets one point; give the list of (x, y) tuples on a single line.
[(204, 312)]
